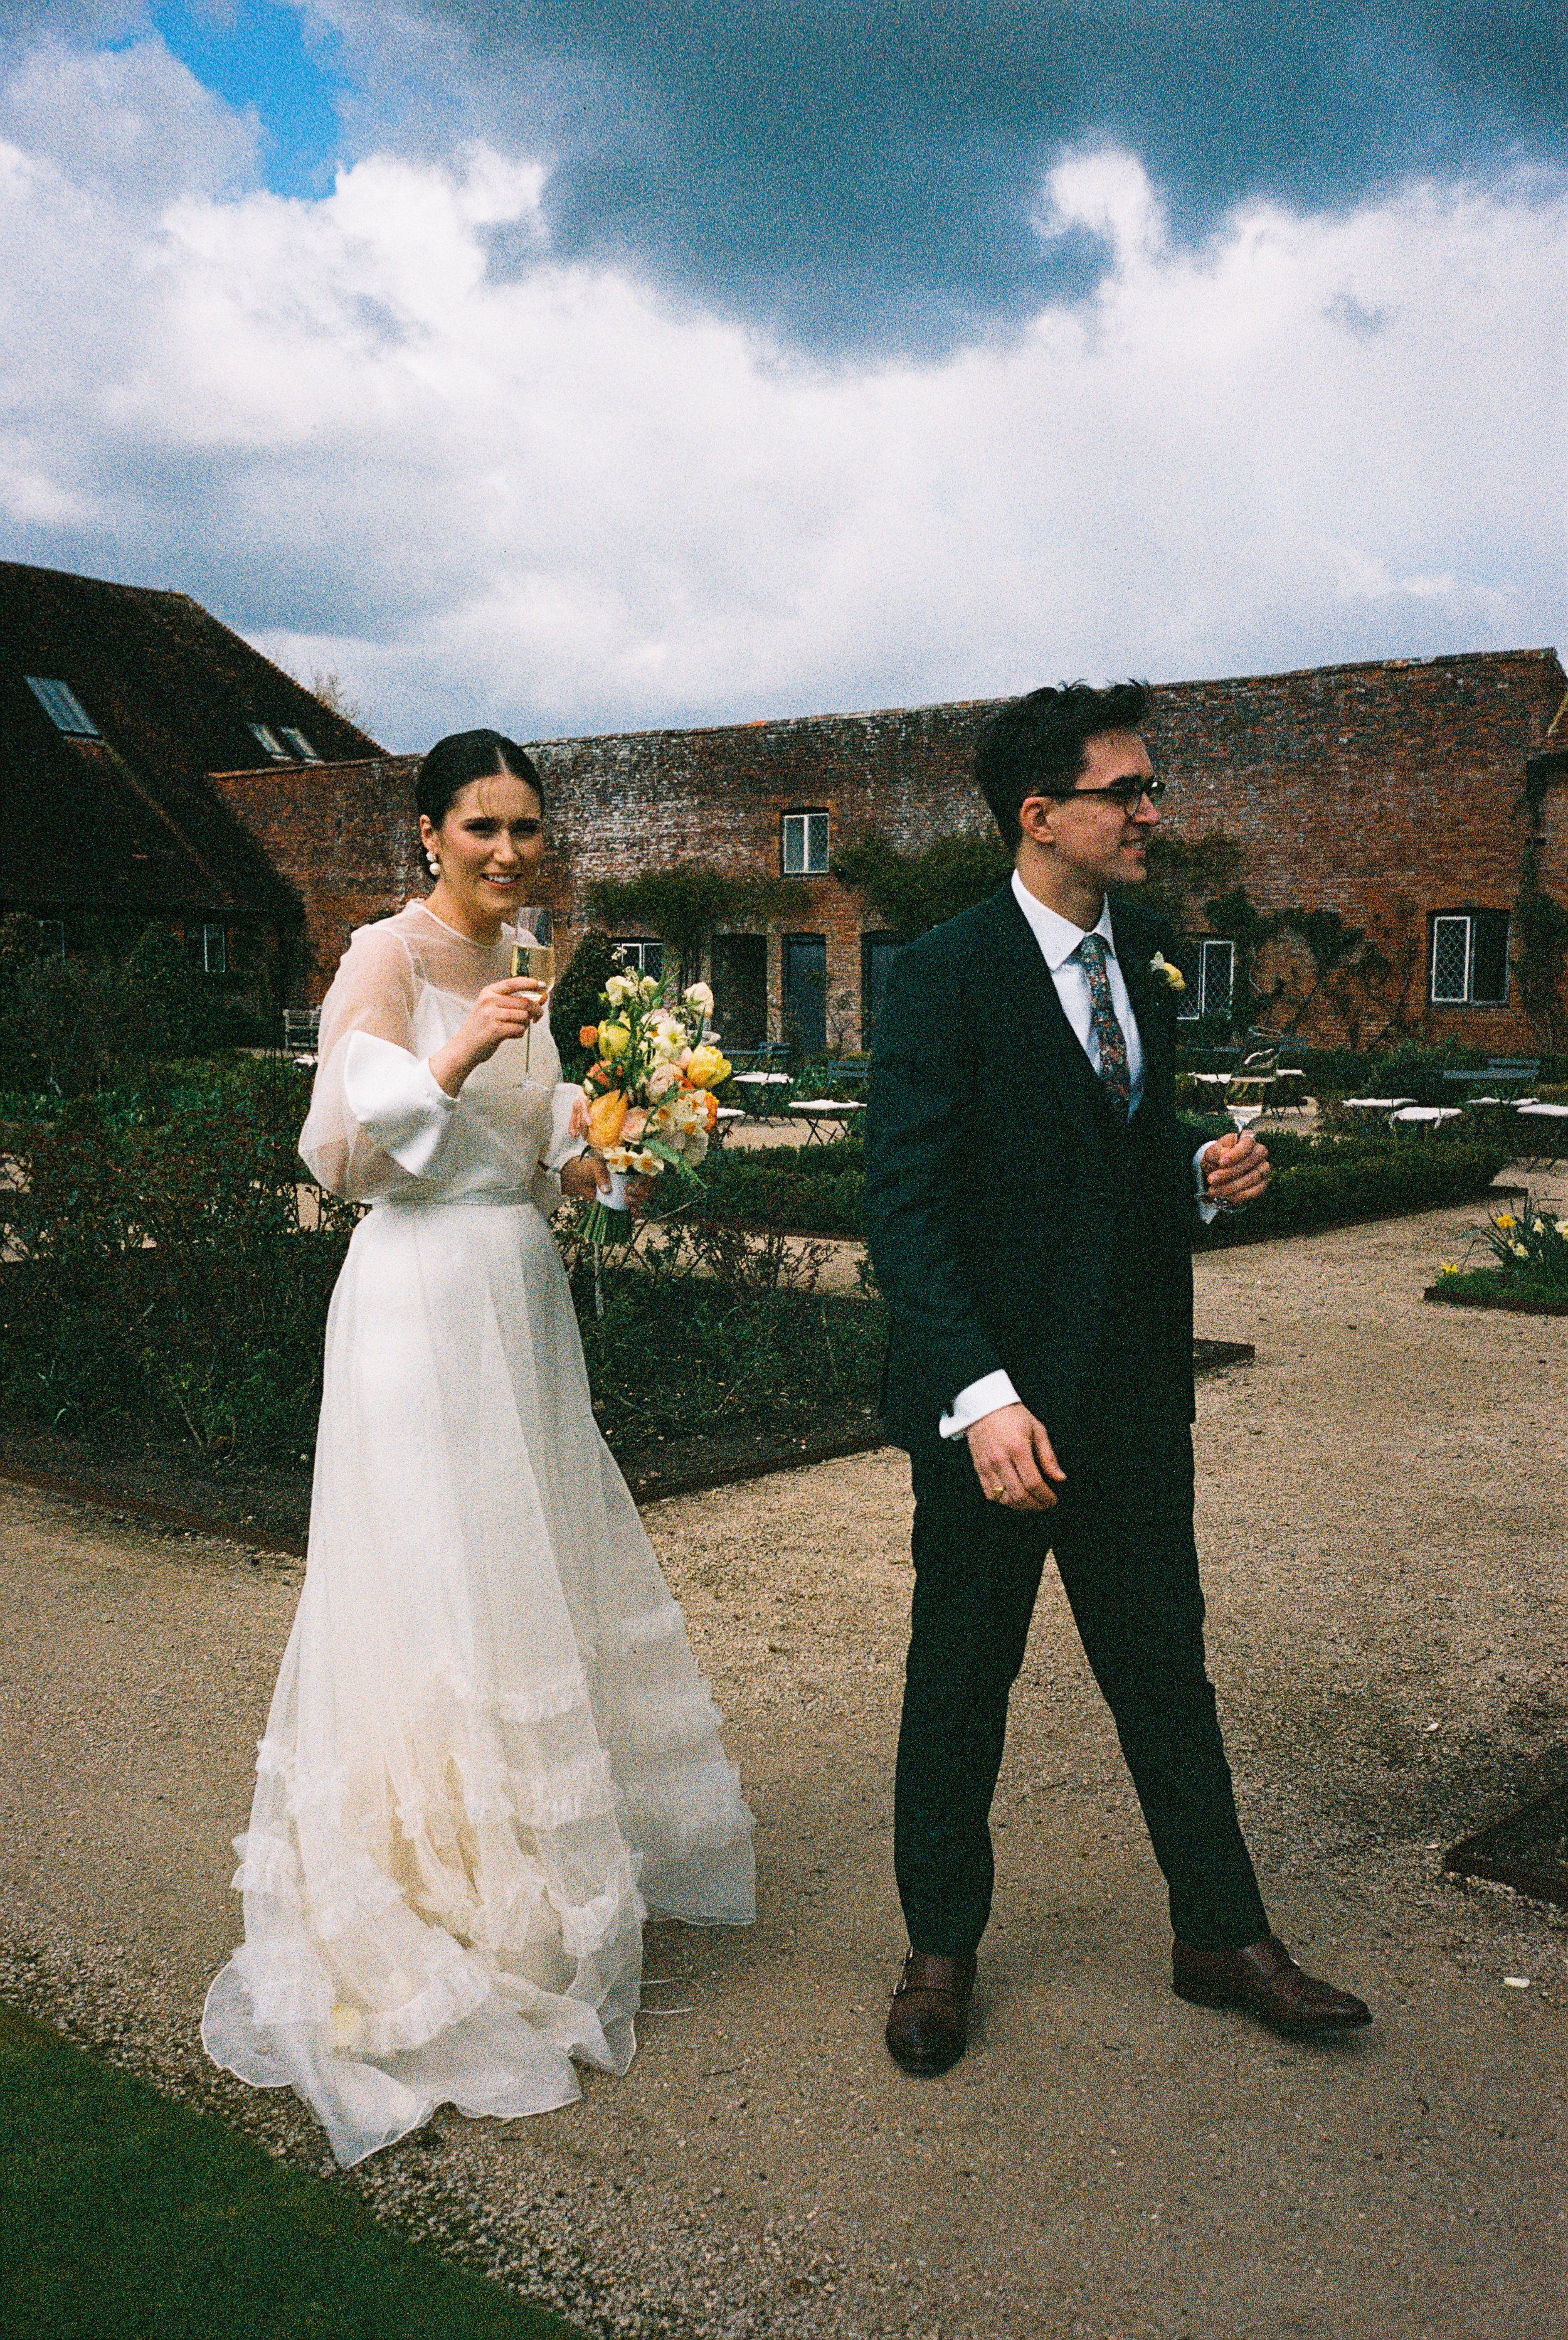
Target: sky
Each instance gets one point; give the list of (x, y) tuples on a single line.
[(581, 367)]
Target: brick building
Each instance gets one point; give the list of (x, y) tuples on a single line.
[(117, 706), (1394, 794)]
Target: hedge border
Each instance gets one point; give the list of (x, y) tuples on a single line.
[(1512, 1303)]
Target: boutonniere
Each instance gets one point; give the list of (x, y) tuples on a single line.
[(1160, 969)]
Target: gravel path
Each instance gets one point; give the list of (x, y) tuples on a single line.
[(1382, 1516)]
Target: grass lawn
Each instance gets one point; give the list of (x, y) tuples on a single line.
[(126, 2215)]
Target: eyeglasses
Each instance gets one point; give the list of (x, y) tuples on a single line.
[(1128, 794)]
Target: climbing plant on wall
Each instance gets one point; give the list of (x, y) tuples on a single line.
[(688, 901), (914, 891)]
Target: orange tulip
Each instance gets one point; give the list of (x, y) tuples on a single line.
[(606, 1118)]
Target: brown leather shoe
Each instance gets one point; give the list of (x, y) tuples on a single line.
[(1265, 1981), (928, 2022)]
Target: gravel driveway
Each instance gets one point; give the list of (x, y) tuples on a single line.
[(1382, 1517)]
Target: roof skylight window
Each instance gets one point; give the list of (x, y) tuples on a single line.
[(299, 744), (271, 742), (63, 709)]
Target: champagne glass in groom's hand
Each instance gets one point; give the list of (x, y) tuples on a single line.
[(533, 955)]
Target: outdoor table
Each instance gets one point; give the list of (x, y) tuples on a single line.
[(757, 1086), (1431, 1116), (728, 1115), (1214, 1080), (1379, 1105), (1537, 1111), (816, 1111)]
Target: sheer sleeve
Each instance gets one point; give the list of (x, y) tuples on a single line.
[(378, 1114), (380, 1126)]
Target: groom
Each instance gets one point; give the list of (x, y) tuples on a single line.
[(1031, 1203)]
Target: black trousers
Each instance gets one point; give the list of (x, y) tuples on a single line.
[(1122, 1539)]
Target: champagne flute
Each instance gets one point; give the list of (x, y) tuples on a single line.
[(536, 959)]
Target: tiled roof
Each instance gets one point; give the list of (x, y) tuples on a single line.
[(125, 822)]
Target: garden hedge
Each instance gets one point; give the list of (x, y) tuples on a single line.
[(1317, 1183)]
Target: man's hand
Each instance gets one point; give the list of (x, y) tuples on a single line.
[(1013, 1460), (1235, 1170), (583, 1177)]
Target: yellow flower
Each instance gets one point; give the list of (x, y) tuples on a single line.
[(614, 1039), (1505, 1220), (1449, 1267), (709, 1066), (1172, 975)]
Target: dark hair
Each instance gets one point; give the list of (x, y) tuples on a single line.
[(465, 756), (1033, 746)]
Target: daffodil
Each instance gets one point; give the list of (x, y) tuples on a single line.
[(1172, 976)]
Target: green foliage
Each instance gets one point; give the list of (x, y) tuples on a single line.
[(1317, 1183), (128, 2214), (687, 902), (914, 891), (171, 1266), (1529, 1247), (814, 1190), (71, 1026), (574, 1001), (679, 1352), (1348, 968), (1356, 1181), (1178, 875), (1541, 949)]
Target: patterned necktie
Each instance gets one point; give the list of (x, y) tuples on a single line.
[(1107, 1031)]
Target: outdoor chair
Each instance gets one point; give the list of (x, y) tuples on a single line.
[(302, 1033)]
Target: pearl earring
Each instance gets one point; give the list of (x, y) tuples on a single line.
[(435, 866)]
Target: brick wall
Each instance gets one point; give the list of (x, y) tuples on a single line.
[(345, 837), (1384, 791)]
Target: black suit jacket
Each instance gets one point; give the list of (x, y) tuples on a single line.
[(999, 1180)]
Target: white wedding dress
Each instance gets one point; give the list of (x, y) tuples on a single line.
[(489, 1754)]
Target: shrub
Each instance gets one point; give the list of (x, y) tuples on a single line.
[(69, 1027), (171, 1268), (1317, 1183)]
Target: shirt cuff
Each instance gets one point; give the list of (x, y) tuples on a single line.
[(1207, 1209), (987, 1395), (397, 1101)]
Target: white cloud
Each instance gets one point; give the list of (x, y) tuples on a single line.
[(543, 496)]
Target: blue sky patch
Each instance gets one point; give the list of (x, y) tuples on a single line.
[(258, 54)]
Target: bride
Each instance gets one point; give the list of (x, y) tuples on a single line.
[(489, 1754)]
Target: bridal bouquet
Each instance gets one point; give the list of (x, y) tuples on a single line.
[(650, 1091)]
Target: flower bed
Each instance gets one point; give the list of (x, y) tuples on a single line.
[(1528, 1271), (170, 1266)]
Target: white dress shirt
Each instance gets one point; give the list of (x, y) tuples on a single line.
[(1059, 941)]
